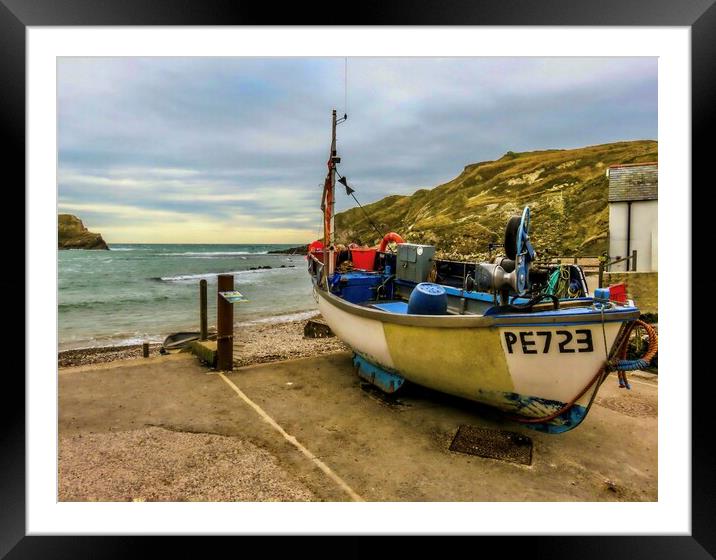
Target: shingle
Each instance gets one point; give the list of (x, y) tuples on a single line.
[(633, 182)]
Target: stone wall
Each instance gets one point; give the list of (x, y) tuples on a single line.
[(642, 287)]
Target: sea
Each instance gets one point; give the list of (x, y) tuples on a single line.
[(143, 292)]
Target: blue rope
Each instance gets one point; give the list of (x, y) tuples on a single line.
[(630, 365)]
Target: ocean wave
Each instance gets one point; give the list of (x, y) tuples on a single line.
[(288, 318), (117, 340), (135, 338), (209, 275), (213, 254), (110, 302)]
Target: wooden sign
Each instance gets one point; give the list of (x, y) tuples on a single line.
[(233, 297)]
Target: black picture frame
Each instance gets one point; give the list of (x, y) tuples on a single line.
[(17, 15)]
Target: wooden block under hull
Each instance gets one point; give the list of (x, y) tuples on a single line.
[(386, 381)]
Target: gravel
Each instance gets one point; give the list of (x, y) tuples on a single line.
[(253, 344), (103, 354), (270, 342), (155, 464)]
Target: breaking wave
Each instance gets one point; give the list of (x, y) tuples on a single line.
[(288, 318), (213, 254), (211, 275)]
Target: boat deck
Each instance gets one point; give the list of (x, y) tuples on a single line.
[(398, 306)]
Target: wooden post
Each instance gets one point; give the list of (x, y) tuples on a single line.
[(224, 325), (145, 349), (203, 332)]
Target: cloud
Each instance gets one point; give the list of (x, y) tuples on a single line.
[(211, 142)]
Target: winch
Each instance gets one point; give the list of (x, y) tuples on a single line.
[(511, 271)]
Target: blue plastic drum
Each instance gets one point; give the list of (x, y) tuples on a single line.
[(428, 299)]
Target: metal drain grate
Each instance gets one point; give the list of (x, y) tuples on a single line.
[(628, 404), (493, 444)]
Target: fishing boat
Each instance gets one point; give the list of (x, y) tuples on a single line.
[(498, 333)]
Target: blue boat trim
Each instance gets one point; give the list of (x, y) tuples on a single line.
[(487, 321), (587, 310), (558, 324), (566, 421), (567, 312), (392, 306), (387, 381)]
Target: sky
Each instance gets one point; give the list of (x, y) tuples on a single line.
[(234, 150)]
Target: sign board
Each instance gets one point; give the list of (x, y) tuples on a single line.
[(233, 297)]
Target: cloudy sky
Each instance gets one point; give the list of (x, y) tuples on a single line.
[(233, 150)]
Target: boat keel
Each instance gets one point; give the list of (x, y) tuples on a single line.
[(386, 381), (566, 421)]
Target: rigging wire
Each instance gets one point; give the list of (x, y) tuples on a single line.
[(345, 86), (350, 191), (367, 216)]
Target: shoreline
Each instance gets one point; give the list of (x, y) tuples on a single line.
[(254, 343)]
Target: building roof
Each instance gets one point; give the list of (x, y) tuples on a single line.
[(631, 182)]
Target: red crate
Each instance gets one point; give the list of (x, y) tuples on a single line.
[(618, 293)]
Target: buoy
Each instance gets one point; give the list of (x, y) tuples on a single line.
[(391, 237), (428, 299)]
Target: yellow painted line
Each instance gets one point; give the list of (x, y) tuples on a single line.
[(293, 441)]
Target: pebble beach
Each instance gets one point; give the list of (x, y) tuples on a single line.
[(253, 344)]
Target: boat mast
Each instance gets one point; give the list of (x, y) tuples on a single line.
[(332, 173), (329, 204)]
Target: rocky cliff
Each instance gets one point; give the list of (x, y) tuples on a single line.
[(72, 234), (566, 191), (300, 250)]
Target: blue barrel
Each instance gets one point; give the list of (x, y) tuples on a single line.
[(428, 299)]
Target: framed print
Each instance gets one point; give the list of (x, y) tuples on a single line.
[(473, 348)]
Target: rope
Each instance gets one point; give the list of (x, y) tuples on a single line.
[(645, 360), (367, 216), (527, 306), (559, 283), (618, 349), (351, 193)]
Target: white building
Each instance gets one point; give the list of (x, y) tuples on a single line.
[(633, 217)]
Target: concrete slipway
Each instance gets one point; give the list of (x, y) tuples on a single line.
[(315, 421)]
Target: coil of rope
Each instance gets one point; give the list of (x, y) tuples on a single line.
[(643, 362), (558, 283), (618, 349)]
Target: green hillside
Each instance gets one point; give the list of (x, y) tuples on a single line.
[(566, 191)]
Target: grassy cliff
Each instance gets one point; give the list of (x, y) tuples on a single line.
[(566, 191)]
